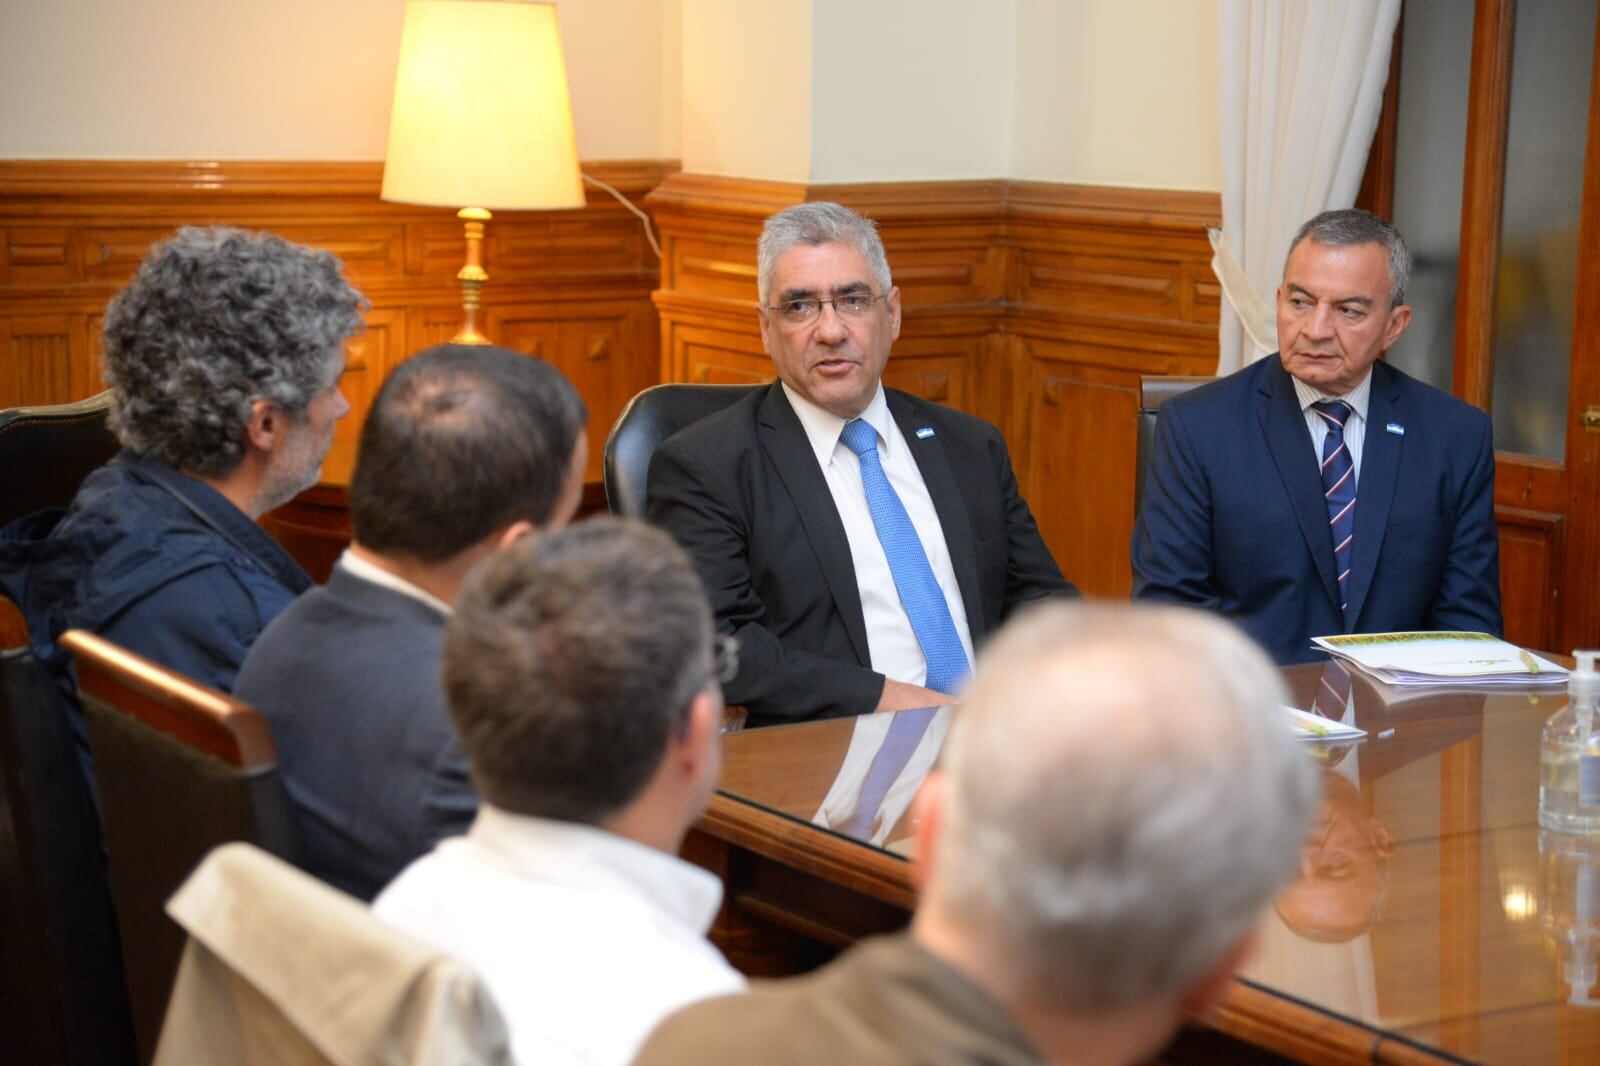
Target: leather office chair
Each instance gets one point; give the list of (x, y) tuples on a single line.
[(650, 418), (283, 968), (62, 997), (181, 768), (1153, 392), (46, 452)]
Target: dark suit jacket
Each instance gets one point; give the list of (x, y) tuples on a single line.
[(742, 492), (348, 678), (1234, 518), (885, 1002)]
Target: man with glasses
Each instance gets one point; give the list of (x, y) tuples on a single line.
[(580, 673), (859, 541), (465, 450)]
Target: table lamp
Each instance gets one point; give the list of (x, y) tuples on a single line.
[(481, 121)]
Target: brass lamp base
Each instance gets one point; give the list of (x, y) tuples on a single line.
[(472, 276)]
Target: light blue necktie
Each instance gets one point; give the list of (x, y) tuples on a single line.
[(888, 763), (919, 592)]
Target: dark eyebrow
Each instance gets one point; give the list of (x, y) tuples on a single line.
[(790, 295), (854, 286), (1364, 301)]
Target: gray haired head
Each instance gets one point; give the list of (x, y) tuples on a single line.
[(819, 223), (215, 319), (1123, 798), (1351, 226)]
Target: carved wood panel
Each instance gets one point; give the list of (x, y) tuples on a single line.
[(72, 233), (605, 348)]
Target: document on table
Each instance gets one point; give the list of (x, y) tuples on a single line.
[(1470, 659), (1315, 727)]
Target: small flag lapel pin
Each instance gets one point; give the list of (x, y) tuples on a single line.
[(924, 432), (1396, 428)]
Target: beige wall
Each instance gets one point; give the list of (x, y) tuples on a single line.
[(1114, 92), (1118, 92), (747, 88), (908, 90), (288, 79)]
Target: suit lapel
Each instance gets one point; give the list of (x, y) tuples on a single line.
[(787, 447), (1289, 442), (1380, 468), (948, 502)]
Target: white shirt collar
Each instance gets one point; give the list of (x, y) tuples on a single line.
[(1356, 397), (555, 852), (823, 427), (356, 566)]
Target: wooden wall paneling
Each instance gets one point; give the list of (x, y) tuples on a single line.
[(1077, 405), (711, 343), (72, 232), (368, 359), (36, 359), (607, 349)]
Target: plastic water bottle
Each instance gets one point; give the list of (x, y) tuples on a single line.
[(1569, 755)]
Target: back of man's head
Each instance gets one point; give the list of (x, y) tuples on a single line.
[(1122, 797), (570, 664), (462, 442), (214, 320)]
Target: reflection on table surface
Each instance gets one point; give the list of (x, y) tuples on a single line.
[(1429, 905)]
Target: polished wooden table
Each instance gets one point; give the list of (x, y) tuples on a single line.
[(1432, 919)]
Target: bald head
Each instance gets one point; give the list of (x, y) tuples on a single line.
[(1122, 798)]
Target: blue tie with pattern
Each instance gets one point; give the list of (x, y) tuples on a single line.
[(1339, 488), (919, 592)]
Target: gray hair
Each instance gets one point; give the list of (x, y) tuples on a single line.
[(1341, 229), (813, 224), (215, 319), (569, 663), (1124, 798)]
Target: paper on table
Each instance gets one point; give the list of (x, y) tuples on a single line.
[(1315, 727), (1435, 658)]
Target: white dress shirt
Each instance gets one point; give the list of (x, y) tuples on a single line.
[(585, 939), (1355, 427), (377, 575), (890, 638)]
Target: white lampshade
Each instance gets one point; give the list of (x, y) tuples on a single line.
[(481, 115)]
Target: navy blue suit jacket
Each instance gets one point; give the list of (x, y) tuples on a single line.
[(1234, 518), (348, 678)]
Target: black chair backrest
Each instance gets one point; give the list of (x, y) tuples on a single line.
[(1153, 392), (181, 768), (46, 452), (650, 418), (62, 997)]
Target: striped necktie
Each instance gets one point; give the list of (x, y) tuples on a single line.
[(919, 591), (1339, 488)]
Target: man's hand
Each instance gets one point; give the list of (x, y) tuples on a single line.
[(899, 696)]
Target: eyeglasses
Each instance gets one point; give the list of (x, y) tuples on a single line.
[(850, 305), (724, 658)]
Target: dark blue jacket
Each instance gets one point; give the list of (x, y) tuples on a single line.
[(1234, 518), (348, 678), (160, 563)]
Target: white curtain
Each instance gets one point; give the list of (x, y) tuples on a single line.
[(1302, 86)]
